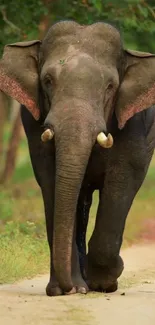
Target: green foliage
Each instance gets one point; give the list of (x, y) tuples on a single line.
[(5, 209), (19, 20), (129, 13), (134, 18), (13, 229), (23, 172)]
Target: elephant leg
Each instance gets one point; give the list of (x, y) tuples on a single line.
[(53, 288), (79, 243), (104, 262), (42, 159), (79, 284), (84, 204), (45, 173)]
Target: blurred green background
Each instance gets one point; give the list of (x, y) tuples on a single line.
[(23, 247)]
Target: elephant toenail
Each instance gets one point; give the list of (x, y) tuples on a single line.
[(82, 290), (71, 292)]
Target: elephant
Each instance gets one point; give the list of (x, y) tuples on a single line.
[(87, 106)]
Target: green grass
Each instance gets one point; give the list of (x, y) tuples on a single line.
[(23, 245), (22, 254)]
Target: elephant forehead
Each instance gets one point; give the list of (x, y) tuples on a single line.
[(67, 28), (73, 59), (63, 51), (74, 54), (98, 40)]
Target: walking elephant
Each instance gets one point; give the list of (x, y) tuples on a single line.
[(90, 122)]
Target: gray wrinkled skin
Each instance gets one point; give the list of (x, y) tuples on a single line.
[(86, 83)]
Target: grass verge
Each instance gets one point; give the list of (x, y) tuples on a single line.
[(23, 245), (22, 255)]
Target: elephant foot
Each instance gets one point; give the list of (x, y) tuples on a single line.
[(80, 286), (53, 289), (104, 278), (77, 289)]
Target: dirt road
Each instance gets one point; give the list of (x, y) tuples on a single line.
[(25, 303)]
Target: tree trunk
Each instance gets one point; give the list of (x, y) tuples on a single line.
[(2, 120), (11, 154), (45, 20)]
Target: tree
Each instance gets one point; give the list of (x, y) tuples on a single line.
[(11, 154), (135, 18), (2, 119), (23, 25), (14, 33)]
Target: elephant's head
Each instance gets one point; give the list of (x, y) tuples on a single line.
[(75, 79)]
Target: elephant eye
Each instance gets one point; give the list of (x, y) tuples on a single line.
[(48, 87), (110, 86), (48, 81)]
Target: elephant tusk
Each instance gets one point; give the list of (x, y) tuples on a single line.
[(47, 135), (105, 141)]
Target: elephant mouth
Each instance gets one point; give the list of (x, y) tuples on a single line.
[(103, 140)]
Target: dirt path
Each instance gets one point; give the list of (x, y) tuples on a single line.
[(25, 303)]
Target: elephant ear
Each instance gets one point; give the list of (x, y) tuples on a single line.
[(137, 90), (19, 74)]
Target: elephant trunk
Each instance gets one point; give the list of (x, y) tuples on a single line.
[(71, 163)]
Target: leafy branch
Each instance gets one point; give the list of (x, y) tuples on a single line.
[(7, 21)]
